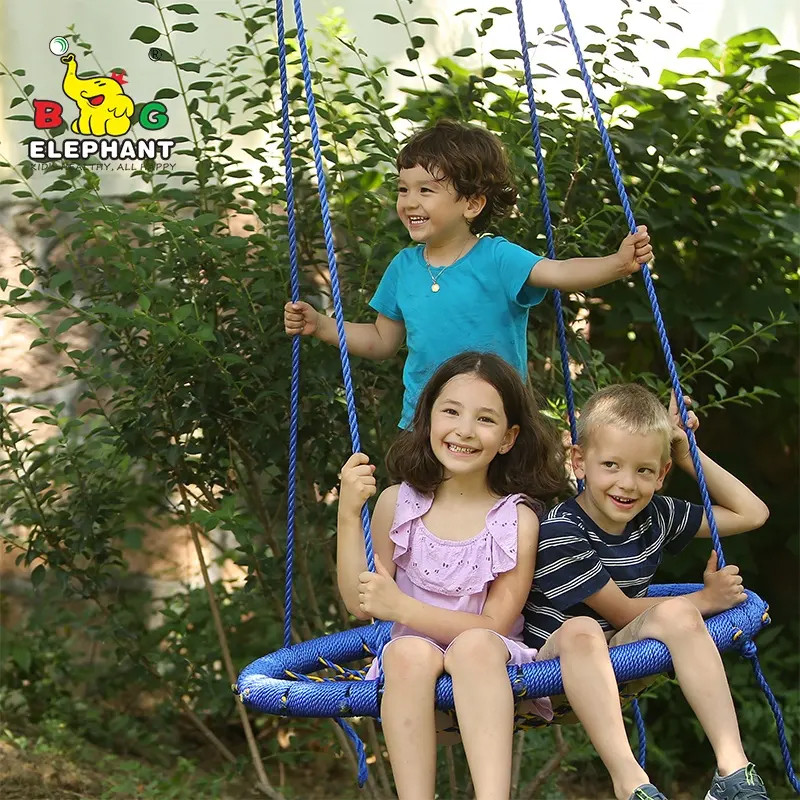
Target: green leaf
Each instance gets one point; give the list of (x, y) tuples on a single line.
[(185, 27), (180, 314), (20, 654), (66, 324), (465, 51), (783, 78), (37, 576), (182, 8), (201, 220), (145, 34), (425, 21), (165, 94), (756, 36), (387, 18), (26, 277), (501, 54), (60, 278)]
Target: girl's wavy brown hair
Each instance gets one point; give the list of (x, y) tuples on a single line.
[(534, 466), (471, 158)]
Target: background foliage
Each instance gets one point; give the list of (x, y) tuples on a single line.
[(181, 384)]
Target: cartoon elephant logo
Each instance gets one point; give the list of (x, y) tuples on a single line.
[(104, 107)]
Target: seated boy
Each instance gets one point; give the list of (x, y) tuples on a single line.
[(597, 555)]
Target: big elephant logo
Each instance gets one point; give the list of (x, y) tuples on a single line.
[(105, 114), (103, 106)]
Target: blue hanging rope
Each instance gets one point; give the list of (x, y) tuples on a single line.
[(352, 417), (548, 224), (748, 648), (749, 651), (339, 314), (640, 730), (294, 277), (649, 285)]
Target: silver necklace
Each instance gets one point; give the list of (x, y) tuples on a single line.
[(435, 279)]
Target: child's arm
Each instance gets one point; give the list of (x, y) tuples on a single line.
[(357, 485), (376, 340), (722, 590), (736, 508), (577, 274), (507, 594)]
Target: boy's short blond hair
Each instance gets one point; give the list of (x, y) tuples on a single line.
[(629, 407)]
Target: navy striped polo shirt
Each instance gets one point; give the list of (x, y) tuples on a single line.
[(576, 558)]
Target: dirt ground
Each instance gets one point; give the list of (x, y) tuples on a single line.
[(51, 778)]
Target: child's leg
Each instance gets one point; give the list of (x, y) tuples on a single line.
[(476, 660), (411, 666), (591, 688), (700, 673)]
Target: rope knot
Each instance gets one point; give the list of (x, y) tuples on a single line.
[(748, 648)]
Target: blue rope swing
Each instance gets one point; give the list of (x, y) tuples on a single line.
[(263, 685)]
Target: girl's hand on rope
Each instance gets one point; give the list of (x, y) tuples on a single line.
[(300, 318), (722, 587), (357, 483), (679, 442), (635, 250), (378, 594)]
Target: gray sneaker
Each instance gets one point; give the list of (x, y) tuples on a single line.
[(647, 792), (744, 784)]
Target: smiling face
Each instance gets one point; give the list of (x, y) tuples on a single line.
[(469, 426), (430, 208), (96, 91), (622, 472)]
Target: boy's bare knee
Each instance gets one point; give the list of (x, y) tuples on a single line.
[(677, 616), (476, 648), (411, 659), (580, 635)]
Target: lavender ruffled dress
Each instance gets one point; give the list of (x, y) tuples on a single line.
[(455, 574)]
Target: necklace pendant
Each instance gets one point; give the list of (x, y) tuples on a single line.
[(434, 287)]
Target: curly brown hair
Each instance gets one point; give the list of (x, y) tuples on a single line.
[(534, 466), (471, 158)]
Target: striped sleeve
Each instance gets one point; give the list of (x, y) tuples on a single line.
[(568, 570), (678, 519)]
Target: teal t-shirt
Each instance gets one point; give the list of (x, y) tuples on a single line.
[(482, 305)]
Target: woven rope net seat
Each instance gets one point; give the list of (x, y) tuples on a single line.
[(285, 683)]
